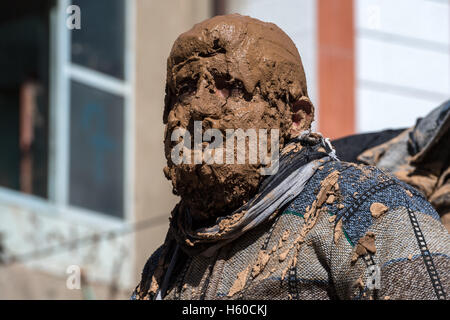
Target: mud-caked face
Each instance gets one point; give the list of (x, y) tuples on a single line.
[(230, 73), (207, 96)]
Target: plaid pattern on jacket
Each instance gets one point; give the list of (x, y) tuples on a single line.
[(354, 232)]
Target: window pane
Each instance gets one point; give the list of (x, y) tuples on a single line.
[(99, 44), (96, 150), (24, 119)]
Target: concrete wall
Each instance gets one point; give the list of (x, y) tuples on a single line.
[(20, 282), (40, 241)]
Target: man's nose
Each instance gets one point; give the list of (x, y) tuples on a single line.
[(209, 88), (208, 102), (203, 87)]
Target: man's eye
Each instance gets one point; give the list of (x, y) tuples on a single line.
[(236, 92), (185, 91), (187, 87), (222, 82)]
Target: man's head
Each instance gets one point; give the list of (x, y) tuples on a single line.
[(231, 72)]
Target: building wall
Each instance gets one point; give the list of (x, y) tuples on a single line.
[(336, 67), (40, 241), (21, 282), (403, 60)]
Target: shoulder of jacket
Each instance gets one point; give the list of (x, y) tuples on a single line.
[(359, 194)]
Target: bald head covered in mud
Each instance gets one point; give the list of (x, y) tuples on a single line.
[(231, 72)]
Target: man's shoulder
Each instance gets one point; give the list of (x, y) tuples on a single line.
[(359, 194), (359, 183), (152, 263), (351, 182), (147, 273), (353, 178)]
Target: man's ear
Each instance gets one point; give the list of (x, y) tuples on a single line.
[(302, 116)]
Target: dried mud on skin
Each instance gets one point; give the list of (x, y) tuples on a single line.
[(231, 72)]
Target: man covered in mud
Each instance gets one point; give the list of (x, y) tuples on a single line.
[(298, 224)]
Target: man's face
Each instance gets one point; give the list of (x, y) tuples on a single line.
[(205, 92), (231, 73)]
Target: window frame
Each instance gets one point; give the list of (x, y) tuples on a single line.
[(62, 71)]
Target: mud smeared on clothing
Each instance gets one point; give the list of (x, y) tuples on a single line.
[(263, 258), (327, 187), (377, 209), (420, 157), (239, 283), (338, 231), (364, 246), (359, 283)]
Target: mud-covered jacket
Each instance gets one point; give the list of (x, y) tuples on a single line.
[(419, 155), (355, 232)]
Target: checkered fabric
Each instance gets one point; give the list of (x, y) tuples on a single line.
[(316, 252)]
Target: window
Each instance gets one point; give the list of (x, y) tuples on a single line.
[(99, 44), (96, 139), (66, 103), (24, 81)]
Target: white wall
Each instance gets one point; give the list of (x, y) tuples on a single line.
[(43, 237), (402, 61), (402, 54)]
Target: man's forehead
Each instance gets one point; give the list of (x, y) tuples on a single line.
[(223, 33), (254, 52), (213, 65)]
